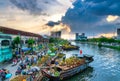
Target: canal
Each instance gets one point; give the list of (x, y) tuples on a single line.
[(105, 67)]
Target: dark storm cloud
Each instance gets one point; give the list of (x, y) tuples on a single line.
[(30, 5), (35, 7), (90, 15), (99, 7), (52, 23), (103, 7)]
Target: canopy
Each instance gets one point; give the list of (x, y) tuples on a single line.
[(52, 54), (49, 51), (25, 49), (8, 75)]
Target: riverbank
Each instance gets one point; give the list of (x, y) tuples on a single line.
[(108, 45), (112, 47)]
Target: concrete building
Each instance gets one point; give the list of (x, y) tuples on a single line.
[(118, 33), (56, 34), (6, 37), (5, 47), (24, 35), (80, 37)]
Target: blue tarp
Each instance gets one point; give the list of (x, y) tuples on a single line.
[(25, 49), (8, 76)]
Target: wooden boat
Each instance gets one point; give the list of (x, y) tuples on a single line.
[(67, 72), (70, 47)]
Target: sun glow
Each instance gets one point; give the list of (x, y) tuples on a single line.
[(108, 35)]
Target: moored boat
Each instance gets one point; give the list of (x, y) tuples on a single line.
[(64, 71), (70, 47)]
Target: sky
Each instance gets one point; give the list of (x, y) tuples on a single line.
[(93, 17)]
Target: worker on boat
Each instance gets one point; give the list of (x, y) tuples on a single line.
[(81, 53)]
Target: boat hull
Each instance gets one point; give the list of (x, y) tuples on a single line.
[(73, 71), (66, 74)]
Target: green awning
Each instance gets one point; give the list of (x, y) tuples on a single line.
[(52, 54), (49, 51)]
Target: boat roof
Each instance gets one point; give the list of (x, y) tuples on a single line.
[(86, 55)]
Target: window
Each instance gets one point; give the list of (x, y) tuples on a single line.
[(5, 43)]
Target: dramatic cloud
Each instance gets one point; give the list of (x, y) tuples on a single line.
[(33, 6), (51, 23), (42, 7), (93, 16), (43, 16), (103, 7), (58, 26), (32, 15)]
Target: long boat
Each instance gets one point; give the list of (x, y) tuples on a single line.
[(72, 47), (64, 72)]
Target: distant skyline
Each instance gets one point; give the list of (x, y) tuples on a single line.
[(93, 17)]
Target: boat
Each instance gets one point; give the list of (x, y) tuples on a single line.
[(70, 47), (64, 72)]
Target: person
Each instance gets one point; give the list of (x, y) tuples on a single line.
[(3, 75), (81, 53), (53, 61), (35, 60), (32, 60), (38, 55), (56, 63), (23, 72), (26, 58), (64, 58), (13, 61), (19, 69)]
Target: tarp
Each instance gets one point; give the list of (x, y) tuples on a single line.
[(8, 76), (49, 51), (52, 54), (25, 49)]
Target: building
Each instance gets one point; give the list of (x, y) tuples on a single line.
[(24, 35), (8, 34), (56, 34), (5, 47), (118, 33), (80, 37)]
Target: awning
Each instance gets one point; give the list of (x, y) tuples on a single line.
[(49, 51), (26, 49), (52, 54)]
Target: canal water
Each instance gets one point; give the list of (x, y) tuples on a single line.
[(105, 67)]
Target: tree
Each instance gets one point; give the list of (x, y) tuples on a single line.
[(16, 41), (30, 42)]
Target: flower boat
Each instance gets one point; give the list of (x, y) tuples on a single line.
[(64, 71), (70, 47)]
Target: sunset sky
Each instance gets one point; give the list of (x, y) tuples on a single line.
[(93, 17)]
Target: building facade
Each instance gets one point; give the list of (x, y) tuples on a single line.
[(24, 35), (80, 37), (56, 34), (118, 34), (5, 47)]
